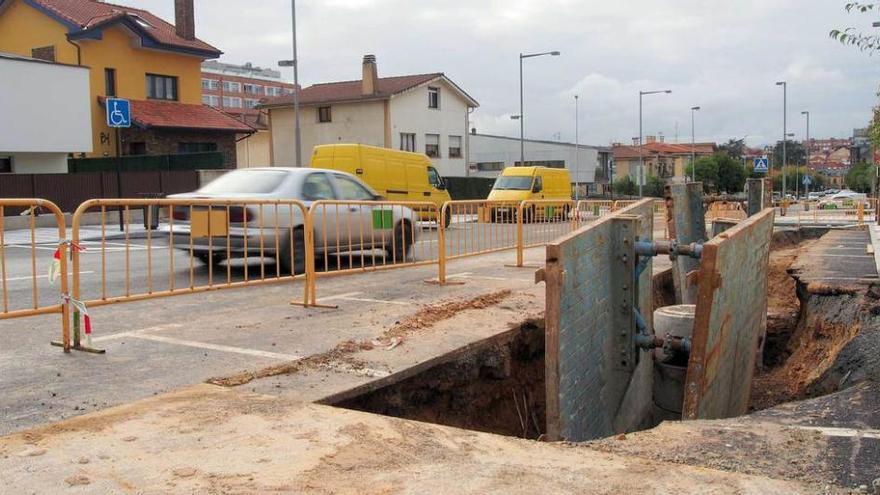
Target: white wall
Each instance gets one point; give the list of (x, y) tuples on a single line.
[(410, 114), (44, 108), (361, 123), (38, 163), (503, 149)]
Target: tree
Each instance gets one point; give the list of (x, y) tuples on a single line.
[(731, 174), (859, 177), (625, 186), (654, 187), (796, 175), (851, 36), (795, 154), (706, 172), (735, 148)]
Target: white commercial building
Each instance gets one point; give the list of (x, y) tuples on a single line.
[(489, 155), (424, 113), (45, 114)]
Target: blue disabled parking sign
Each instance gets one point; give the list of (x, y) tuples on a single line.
[(118, 112), (762, 164)]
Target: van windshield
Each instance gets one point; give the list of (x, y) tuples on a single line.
[(434, 178), (516, 183)]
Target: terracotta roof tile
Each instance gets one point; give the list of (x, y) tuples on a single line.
[(351, 90), (654, 148), (154, 114), (87, 14)]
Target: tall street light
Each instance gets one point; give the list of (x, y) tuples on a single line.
[(295, 64), (807, 113), (693, 147), (784, 129), (577, 168), (522, 145), (641, 154)]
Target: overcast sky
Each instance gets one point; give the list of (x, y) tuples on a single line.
[(722, 56)]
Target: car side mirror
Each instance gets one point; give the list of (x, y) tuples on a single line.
[(536, 188)]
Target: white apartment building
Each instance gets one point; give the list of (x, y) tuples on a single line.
[(425, 113), (46, 114), (490, 154)]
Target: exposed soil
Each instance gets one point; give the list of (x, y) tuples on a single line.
[(342, 355), (497, 387)]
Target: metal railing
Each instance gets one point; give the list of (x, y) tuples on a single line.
[(362, 236), (179, 246), (40, 249), (541, 221)]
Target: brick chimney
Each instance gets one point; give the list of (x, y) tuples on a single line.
[(370, 81), (650, 139), (185, 19)]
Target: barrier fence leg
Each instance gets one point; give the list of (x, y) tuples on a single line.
[(519, 235), (441, 249)]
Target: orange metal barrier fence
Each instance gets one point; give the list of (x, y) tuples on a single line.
[(541, 221), (45, 254), (360, 236)]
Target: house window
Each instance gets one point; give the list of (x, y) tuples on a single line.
[(231, 102), (253, 89), (231, 87), (110, 82), (210, 84), (251, 103), (196, 147), (433, 97), (137, 148), (211, 100), (324, 114), (432, 145), (454, 146), (161, 87), (407, 141), (5, 164), (490, 166)]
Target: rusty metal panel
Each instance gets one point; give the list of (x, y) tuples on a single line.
[(731, 316), (760, 195), (686, 222), (719, 225), (598, 383)]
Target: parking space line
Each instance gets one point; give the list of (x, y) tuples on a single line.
[(349, 296), (216, 347), (486, 277), (13, 279)]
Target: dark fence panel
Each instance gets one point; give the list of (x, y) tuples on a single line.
[(469, 187), (15, 186), (68, 190), (149, 163), (179, 182)]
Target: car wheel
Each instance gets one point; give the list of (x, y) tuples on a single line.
[(403, 241), (294, 263), (208, 259)]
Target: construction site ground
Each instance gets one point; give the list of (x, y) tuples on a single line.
[(216, 392)]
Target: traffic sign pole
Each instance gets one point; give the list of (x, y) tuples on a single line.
[(118, 115), (119, 178)]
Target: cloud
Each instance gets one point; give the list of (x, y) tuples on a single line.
[(722, 56)]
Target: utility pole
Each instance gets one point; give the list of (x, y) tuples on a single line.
[(784, 130), (807, 113), (693, 147), (641, 148), (577, 168), (522, 117)]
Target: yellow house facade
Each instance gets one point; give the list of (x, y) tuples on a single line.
[(130, 54)]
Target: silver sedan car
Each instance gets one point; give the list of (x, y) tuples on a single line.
[(245, 222)]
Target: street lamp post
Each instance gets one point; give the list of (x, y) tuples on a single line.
[(641, 154), (522, 145), (784, 129), (807, 113), (295, 64), (693, 147), (577, 168)]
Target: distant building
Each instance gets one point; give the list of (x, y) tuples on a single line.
[(26, 82), (490, 155), (130, 54), (425, 113), (238, 90), (664, 160), (860, 150)]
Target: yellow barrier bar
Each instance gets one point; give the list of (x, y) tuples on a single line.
[(62, 306)]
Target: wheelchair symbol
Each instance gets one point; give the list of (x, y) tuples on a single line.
[(117, 118)]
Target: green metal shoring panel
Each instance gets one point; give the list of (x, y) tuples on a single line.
[(598, 383), (731, 317)]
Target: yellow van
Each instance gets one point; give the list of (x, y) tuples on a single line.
[(532, 183), (396, 175)]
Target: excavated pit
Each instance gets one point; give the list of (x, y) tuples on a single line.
[(808, 326), (494, 386)]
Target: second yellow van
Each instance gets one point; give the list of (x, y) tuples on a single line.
[(396, 175), (533, 183)]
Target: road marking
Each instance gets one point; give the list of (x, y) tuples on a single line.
[(348, 296), (486, 277), (217, 347), (167, 326), (842, 432), (842, 255), (13, 279)]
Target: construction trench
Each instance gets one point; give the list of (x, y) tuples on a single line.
[(792, 410)]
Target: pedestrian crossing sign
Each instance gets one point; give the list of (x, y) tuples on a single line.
[(762, 164)]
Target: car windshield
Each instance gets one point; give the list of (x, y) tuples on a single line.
[(245, 182), (434, 177), (517, 183)]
